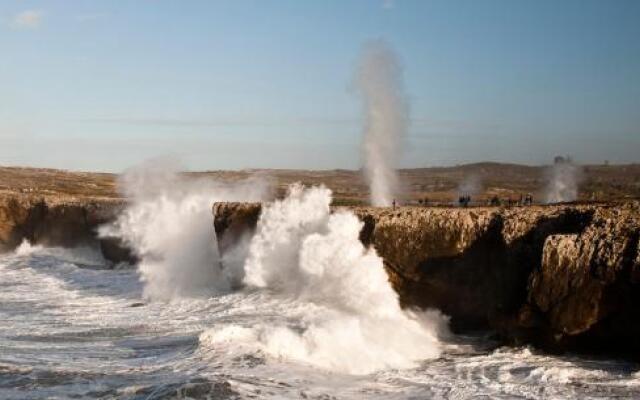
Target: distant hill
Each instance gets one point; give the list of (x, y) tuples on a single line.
[(437, 184)]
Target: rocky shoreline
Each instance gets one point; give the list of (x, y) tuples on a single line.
[(563, 277), (60, 221)]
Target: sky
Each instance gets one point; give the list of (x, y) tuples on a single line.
[(104, 85)]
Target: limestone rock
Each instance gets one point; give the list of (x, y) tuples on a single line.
[(64, 222), (18, 218), (562, 277), (587, 284), (233, 220)]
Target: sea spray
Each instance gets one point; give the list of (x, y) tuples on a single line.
[(471, 185), (379, 81), (343, 314), (351, 320), (274, 251), (168, 223), (564, 179)]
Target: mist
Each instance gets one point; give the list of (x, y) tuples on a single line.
[(564, 178), (350, 319), (168, 225), (385, 113), (471, 185)]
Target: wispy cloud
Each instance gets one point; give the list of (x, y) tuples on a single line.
[(28, 19)]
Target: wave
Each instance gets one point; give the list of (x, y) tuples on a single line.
[(75, 332), (300, 252), (354, 322)]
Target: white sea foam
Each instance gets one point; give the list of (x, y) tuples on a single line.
[(316, 315), (169, 225), (354, 323), (71, 332)]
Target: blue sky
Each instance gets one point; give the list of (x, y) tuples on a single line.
[(103, 85)]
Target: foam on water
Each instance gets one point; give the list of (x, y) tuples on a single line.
[(354, 322), (81, 332), (301, 309)]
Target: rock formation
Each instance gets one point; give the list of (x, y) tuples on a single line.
[(587, 287), (232, 221), (562, 277), (64, 222)]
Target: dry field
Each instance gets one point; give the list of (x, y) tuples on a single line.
[(438, 185)]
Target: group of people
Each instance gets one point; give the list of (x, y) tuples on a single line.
[(525, 200), (464, 201)]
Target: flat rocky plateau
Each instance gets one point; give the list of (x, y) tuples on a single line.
[(438, 185)]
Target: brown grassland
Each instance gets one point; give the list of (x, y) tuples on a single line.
[(437, 185)]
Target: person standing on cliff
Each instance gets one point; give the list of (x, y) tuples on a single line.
[(529, 199)]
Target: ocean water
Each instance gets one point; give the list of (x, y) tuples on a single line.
[(73, 329)]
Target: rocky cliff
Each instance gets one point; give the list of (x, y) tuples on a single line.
[(562, 277), (59, 221), (587, 287)]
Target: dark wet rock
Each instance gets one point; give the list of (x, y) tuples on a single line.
[(249, 360), (233, 220), (203, 389), (198, 388), (562, 277), (116, 251)]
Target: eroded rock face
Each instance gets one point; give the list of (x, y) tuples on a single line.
[(587, 286), (18, 218), (233, 220), (473, 264), (116, 251), (559, 276), (58, 222)]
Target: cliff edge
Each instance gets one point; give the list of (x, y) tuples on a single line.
[(561, 277), (60, 221)]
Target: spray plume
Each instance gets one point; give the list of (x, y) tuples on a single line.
[(350, 319), (379, 81), (471, 185), (168, 225), (347, 315), (564, 180)]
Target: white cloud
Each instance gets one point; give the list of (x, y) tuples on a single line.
[(28, 19), (388, 4)]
